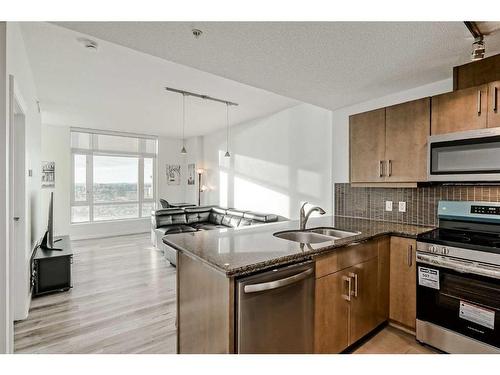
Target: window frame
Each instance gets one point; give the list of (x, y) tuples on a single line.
[(92, 151)]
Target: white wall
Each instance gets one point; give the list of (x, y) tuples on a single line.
[(56, 148), (18, 66), (340, 119), (194, 156), (5, 317), (276, 163)]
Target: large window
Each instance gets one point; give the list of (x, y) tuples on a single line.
[(113, 176)]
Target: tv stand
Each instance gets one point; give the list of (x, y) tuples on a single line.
[(51, 268)]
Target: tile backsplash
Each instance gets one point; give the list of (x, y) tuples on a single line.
[(421, 202)]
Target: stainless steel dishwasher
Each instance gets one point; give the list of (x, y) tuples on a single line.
[(275, 311)]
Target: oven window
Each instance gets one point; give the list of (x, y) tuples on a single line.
[(478, 292), (469, 156)]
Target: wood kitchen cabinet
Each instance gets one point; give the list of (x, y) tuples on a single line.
[(383, 282), (389, 145), (331, 314), (363, 303), (347, 298), (402, 310), (460, 110), (493, 120), (367, 146), (407, 129)]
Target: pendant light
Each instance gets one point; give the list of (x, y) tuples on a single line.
[(227, 154), (183, 150)]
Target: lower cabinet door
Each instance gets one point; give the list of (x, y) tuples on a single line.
[(331, 332), (364, 299), (403, 282)]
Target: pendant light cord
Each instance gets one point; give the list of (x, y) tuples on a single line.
[(227, 125), (183, 118)]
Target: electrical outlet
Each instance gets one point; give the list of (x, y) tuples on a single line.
[(388, 205), (402, 206)]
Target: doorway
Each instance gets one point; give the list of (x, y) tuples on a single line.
[(19, 218)]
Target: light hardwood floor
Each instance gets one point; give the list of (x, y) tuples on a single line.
[(123, 301), (391, 340)]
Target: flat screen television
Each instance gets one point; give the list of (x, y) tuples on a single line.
[(48, 237)]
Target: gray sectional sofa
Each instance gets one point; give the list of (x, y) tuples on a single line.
[(191, 219)]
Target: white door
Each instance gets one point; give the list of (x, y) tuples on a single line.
[(19, 255)]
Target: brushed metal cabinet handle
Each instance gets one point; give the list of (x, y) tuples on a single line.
[(410, 255), (495, 96), (253, 288), (381, 168), (355, 277), (347, 279), (479, 102), (389, 168)]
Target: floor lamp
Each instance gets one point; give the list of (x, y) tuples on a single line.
[(201, 188)]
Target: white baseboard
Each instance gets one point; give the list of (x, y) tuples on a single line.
[(97, 236)]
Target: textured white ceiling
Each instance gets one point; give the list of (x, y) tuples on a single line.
[(330, 64), (117, 88)]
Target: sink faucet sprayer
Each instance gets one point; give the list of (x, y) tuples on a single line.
[(304, 217)]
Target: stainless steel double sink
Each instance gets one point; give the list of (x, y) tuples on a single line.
[(315, 235)]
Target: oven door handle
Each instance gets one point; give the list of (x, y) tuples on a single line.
[(459, 266)]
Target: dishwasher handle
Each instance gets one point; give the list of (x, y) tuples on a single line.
[(275, 284)]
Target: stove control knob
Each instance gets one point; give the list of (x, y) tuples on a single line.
[(445, 251), (432, 249)]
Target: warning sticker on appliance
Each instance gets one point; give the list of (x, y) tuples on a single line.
[(477, 314), (428, 277)]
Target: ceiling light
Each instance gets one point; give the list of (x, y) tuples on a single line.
[(88, 44), (227, 154), (478, 49), (183, 150)]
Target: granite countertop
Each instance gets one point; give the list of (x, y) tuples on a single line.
[(245, 250)]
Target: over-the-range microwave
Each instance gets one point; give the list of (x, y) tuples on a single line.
[(465, 156)]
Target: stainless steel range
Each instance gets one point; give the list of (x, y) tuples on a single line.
[(458, 279)]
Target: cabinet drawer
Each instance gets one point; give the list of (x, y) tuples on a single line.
[(345, 257)]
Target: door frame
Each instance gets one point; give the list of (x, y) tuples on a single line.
[(16, 106)]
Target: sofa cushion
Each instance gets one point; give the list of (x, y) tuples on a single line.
[(245, 222), (264, 218), (233, 212), (168, 216), (172, 229), (234, 221), (216, 215), (207, 226), (197, 214)]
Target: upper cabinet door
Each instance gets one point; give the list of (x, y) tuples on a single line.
[(367, 146), (407, 130), (460, 110), (494, 105)]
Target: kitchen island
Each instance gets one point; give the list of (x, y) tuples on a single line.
[(210, 262)]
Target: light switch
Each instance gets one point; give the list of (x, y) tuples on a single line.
[(402, 206), (388, 205)]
